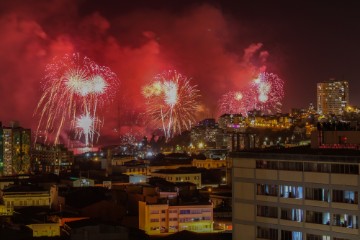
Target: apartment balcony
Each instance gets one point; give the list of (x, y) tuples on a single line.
[(316, 203), (315, 177), (345, 206), (244, 173), (317, 226), (266, 198), (290, 223), (292, 176), (267, 220), (266, 174), (345, 230), (297, 201), (344, 179)]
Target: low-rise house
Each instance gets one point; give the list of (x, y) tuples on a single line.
[(45, 229), (192, 175), (157, 219), (25, 195)]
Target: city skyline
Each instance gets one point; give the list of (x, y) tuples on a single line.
[(220, 45)]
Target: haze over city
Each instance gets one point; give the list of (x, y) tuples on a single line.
[(179, 119)]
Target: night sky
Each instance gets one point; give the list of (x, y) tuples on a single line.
[(219, 44)]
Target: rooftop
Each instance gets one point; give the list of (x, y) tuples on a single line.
[(195, 201), (23, 188), (181, 170), (302, 153), (83, 223), (199, 236), (171, 159), (82, 197)]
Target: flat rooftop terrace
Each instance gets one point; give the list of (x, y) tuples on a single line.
[(301, 153)]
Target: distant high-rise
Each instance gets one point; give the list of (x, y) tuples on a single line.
[(332, 97), (15, 143)]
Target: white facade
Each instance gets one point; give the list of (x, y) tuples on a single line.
[(296, 197)]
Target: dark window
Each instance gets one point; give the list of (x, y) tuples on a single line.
[(267, 189), (318, 194), (345, 168), (317, 217), (184, 211), (262, 164), (291, 166), (267, 233), (316, 167), (292, 214), (317, 237), (267, 211)]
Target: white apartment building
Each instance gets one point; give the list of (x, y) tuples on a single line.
[(300, 195)]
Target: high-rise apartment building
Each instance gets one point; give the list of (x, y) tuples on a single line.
[(54, 159), (299, 194), (332, 97), (15, 144)]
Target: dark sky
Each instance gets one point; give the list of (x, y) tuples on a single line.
[(303, 42)]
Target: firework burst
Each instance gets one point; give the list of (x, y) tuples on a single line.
[(171, 102), (86, 125), (234, 102), (264, 93), (130, 138), (73, 90), (268, 92)]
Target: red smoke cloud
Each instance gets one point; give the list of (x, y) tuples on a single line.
[(198, 41)]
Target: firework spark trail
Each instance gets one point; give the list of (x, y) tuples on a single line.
[(172, 102), (234, 102), (264, 93), (131, 137), (86, 125), (269, 92), (73, 86)]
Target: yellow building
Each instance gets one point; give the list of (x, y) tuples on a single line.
[(118, 161), (45, 229), (25, 196), (162, 218), (155, 168), (139, 169), (6, 211), (180, 175), (279, 121), (209, 163)]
